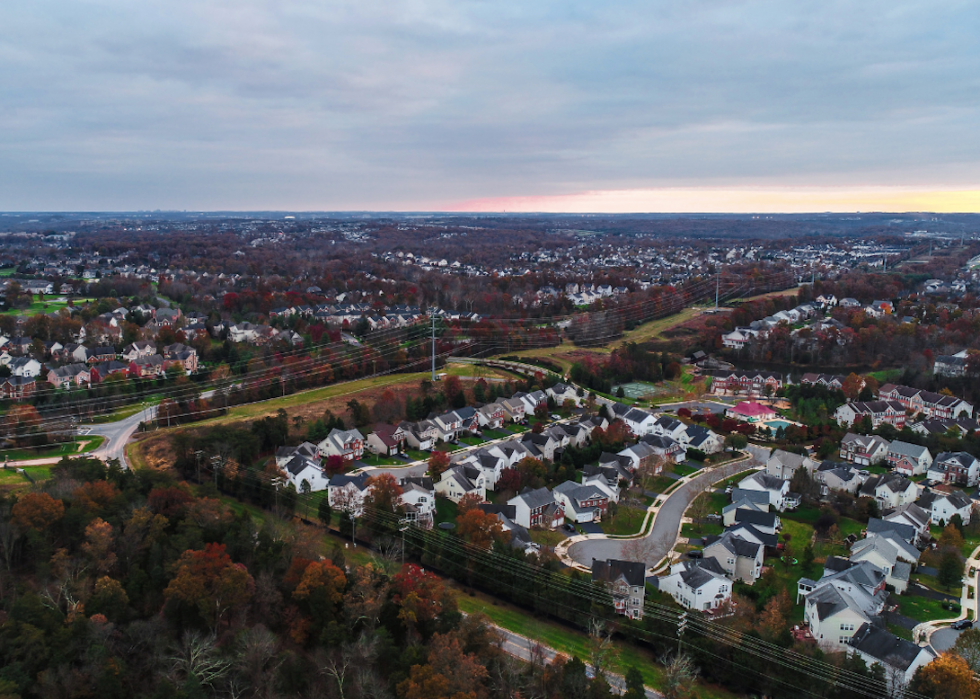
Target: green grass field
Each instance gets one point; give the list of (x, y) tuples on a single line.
[(83, 445), (571, 642), (48, 305)]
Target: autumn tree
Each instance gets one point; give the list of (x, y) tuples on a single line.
[(479, 528), (946, 677), (211, 582), (320, 591), (97, 496), (421, 597), (438, 462), (470, 501), (99, 542), (37, 511), (852, 386), (384, 494)]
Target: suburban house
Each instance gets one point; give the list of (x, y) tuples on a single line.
[(739, 558), (462, 479), (305, 474), (26, 367), (347, 493), (748, 382), (421, 435), (934, 405), (537, 508), (581, 503), (606, 478), (744, 500), (640, 422), (447, 426), (626, 582), (347, 444), (285, 454), (908, 459), (777, 488), (943, 506), (703, 439), (839, 476), (513, 409), (418, 497), (697, 585), (491, 415), (881, 412), (70, 375), (386, 439), (783, 464), (864, 450), (912, 515), (847, 596), (889, 490), (17, 387), (663, 447), (532, 400), (562, 392), (891, 557), (954, 467), (896, 656)]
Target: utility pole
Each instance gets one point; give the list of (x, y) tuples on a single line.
[(717, 287), (403, 528), (432, 312), (681, 625)]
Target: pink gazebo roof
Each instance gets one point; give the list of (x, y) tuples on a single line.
[(752, 409)]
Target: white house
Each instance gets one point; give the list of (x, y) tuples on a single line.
[(848, 595), (890, 490), (562, 392), (943, 506), (346, 493), (697, 585), (305, 474), (640, 422), (896, 656), (777, 488), (783, 464), (889, 556), (462, 479)]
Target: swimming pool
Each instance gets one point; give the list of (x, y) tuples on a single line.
[(776, 424)]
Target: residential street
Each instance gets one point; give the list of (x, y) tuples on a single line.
[(666, 525)]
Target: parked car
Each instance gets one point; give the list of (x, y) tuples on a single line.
[(555, 417), (569, 528), (962, 625), (695, 554)]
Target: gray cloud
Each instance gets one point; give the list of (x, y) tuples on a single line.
[(388, 104)]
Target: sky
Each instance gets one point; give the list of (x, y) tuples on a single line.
[(497, 105)]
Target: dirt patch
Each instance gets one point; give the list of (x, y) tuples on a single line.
[(153, 450)]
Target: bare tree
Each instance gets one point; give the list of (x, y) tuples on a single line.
[(680, 672), (197, 656), (699, 503), (601, 650)]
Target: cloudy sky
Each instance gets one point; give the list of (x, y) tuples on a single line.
[(705, 105)]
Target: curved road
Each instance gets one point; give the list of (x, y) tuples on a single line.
[(666, 525)]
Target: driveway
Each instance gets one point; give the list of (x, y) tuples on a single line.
[(658, 543), (943, 639)]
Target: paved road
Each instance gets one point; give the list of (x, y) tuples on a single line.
[(655, 545), (943, 639), (118, 434)]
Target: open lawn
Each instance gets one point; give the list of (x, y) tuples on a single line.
[(735, 479), (82, 445), (921, 608), (572, 642), (446, 510), (544, 537), (684, 470), (417, 455), (495, 434), (707, 529), (472, 441), (627, 520), (49, 305), (375, 460)]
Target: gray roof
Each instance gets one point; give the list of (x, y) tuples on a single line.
[(611, 570), (886, 647), (880, 526), (537, 498)]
